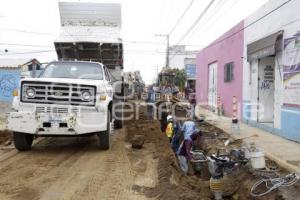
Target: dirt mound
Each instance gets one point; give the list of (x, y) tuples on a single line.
[(5, 137), (138, 141), (172, 183)]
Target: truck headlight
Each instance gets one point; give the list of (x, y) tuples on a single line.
[(30, 93), (86, 96)]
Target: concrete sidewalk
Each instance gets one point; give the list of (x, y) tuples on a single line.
[(285, 152)]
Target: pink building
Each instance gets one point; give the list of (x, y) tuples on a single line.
[(219, 72)]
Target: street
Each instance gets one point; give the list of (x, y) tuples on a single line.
[(150, 100), (74, 168)]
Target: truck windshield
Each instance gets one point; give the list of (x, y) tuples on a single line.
[(76, 70)]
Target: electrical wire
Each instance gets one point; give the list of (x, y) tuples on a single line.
[(178, 21), (252, 23), (23, 45), (274, 183), (32, 52), (196, 21), (249, 25), (211, 20), (181, 17), (30, 32)]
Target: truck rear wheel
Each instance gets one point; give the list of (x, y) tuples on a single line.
[(104, 136), (23, 141)]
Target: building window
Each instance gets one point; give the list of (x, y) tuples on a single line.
[(228, 72)]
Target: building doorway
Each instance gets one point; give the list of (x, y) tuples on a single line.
[(266, 89), (212, 86)]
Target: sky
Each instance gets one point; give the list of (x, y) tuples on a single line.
[(32, 26)]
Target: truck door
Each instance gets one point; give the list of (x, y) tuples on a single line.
[(108, 83)]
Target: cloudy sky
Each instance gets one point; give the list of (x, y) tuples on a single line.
[(32, 25)]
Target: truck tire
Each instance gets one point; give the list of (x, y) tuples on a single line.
[(118, 116), (118, 123), (22, 141), (104, 136)]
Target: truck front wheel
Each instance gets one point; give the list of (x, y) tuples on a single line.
[(118, 123), (23, 141), (104, 136)]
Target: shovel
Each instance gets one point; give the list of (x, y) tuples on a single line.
[(227, 142)]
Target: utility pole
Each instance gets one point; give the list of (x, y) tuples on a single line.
[(168, 48)]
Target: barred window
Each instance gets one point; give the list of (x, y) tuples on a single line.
[(228, 72)]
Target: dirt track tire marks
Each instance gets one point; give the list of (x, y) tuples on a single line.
[(67, 168), (111, 178), (28, 174)]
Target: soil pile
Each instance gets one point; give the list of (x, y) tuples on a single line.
[(138, 141), (172, 183)]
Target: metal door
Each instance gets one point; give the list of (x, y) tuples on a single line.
[(212, 86), (266, 90)]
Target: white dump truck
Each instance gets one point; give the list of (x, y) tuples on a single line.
[(82, 92)]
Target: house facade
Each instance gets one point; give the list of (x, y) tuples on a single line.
[(257, 63), (271, 89), (219, 72)]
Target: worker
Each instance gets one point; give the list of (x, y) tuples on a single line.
[(188, 127), (177, 135), (184, 151), (170, 128)]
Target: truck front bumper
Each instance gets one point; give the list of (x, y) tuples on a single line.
[(57, 123)]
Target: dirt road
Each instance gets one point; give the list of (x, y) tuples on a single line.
[(70, 168), (74, 168)]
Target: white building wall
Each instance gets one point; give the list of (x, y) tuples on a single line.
[(286, 18), (177, 56)]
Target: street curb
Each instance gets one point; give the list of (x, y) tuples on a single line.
[(282, 163)]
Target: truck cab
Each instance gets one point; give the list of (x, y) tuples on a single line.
[(68, 99)]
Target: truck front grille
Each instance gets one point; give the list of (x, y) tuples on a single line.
[(48, 109), (57, 93)]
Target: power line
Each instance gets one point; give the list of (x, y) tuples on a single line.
[(182, 16), (30, 32), (31, 52), (126, 52), (252, 23), (196, 21), (133, 42), (178, 21), (216, 10), (24, 45)]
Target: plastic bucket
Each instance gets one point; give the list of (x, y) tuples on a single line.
[(257, 160)]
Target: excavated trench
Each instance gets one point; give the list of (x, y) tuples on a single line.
[(173, 184)]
